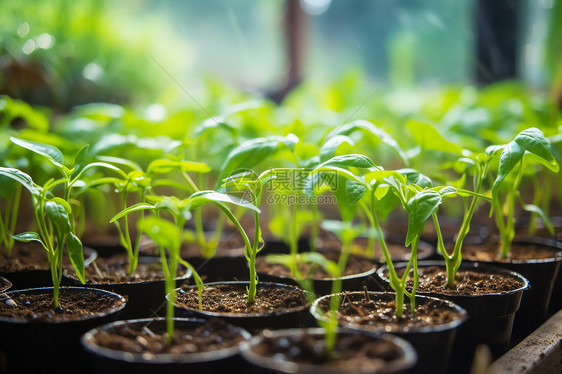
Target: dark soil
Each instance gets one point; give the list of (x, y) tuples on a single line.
[(138, 338), (24, 257), (73, 305), (4, 284), (353, 352), (380, 311), (114, 269), (355, 265), (467, 282), (229, 298), (518, 252)]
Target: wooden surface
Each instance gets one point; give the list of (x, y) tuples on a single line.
[(540, 352)]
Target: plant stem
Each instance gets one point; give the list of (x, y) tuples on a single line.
[(509, 233), (294, 241)]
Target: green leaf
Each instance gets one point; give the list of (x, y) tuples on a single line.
[(80, 162), (20, 177), (534, 142), (252, 152), (510, 156), (103, 165), (537, 210), (296, 128), (331, 145), (52, 153), (414, 177), (119, 161), (28, 237), (165, 165), (351, 160), (428, 138), (133, 208), (347, 210), (371, 129), (420, 207), (76, 255), (164, 233), (202, 197), (58, 215), (354, 191)]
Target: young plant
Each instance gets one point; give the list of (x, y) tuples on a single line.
[(169, 235), (53, 214), (529, 146), (10, 193)]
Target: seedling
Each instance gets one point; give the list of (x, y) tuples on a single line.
[(53, 214), (169, 235), (530, 145)]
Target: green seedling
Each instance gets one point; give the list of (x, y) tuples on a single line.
[(169, 235), (53, 214), (529, 146)]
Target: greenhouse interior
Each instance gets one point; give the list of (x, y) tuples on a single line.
[(283, 186)]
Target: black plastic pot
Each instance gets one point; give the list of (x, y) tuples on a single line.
[(105, 360), (541, 275), (276, 364), (221, 269), (428, 341), (295, 317), (4, 284), (38, 278), (323, 286), (144, 298), (490, 316), (45, 346)]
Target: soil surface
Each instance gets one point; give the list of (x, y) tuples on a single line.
[(30, 256), (24, 257), (149, 339), (73, 305), (229, 298), (467, 282), (353, 352), (114, 269), (380, 311), (4, 284), (355, 265), (518, 252)]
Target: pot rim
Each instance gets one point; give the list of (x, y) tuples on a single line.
[(40, 290), (246, 315), (473, 265), (187, 275), (408, 360), (7, 285), (366, 273), (555, 245), (463, 315), (163, 358)]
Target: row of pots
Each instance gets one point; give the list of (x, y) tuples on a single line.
[(499, 340), (441, 339)]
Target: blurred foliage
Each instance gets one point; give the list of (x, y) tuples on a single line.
[(63, 53)]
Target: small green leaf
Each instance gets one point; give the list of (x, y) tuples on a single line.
[(165, 165), (371, 129), (331, 145), (80, 162), (420, 207), (354, 191), (296, 128), (58, 215), (76, 255), (414, 177), (537, 210), (510, 156), (52, 153), (350, 160), (28, 237), (202, 197), (428, 138), (20, 177), (164, 233), (533, 140), (133, 208)]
